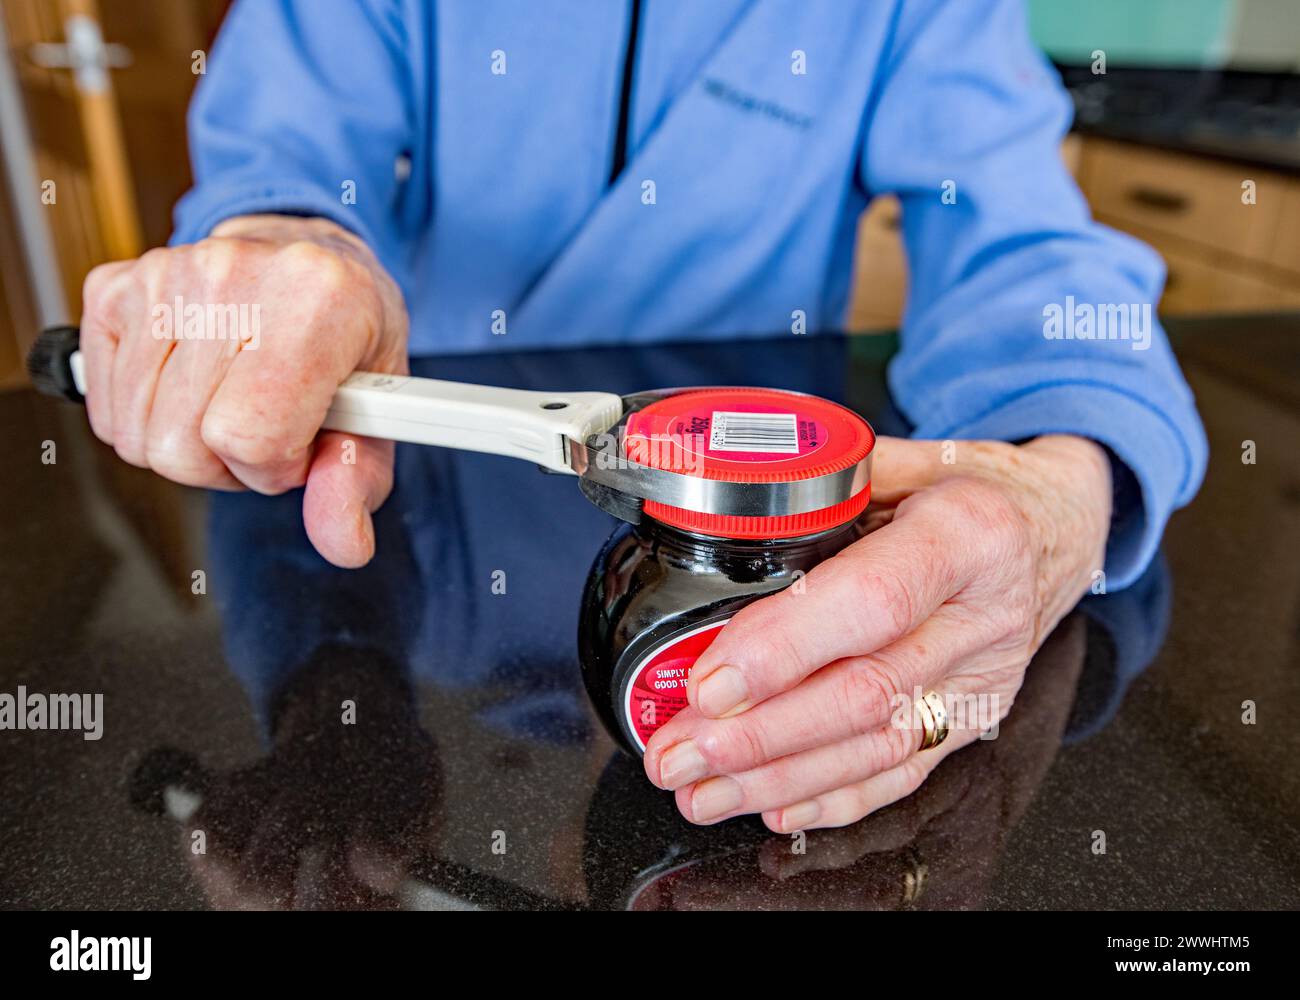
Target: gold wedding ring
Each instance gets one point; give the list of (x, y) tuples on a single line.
[(934, 720)]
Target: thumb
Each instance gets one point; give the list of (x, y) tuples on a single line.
[(349, 478)]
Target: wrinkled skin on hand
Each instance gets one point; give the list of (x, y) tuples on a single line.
[(244, 411), (801, 708)]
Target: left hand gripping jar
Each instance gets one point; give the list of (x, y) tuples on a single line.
[(662, 589)]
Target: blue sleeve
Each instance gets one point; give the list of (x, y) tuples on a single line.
[(300, 98), (967, 106)]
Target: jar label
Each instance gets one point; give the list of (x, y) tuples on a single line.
[(656, 688), (749, 432)]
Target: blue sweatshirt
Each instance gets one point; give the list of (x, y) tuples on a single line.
[(474, 146)]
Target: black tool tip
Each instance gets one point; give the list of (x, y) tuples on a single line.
[(48, 362)]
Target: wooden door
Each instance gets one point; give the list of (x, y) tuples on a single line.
[(105, 85)]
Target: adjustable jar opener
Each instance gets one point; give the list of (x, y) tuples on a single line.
[(574, 433)]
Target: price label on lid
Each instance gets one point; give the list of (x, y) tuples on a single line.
[(773, 433)]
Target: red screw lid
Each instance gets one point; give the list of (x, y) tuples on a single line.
[(750, 436)]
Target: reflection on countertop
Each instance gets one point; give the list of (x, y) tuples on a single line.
[(472, 773)]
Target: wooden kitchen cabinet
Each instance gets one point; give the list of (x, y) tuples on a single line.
[(1223, 255), (880, 269), (1286, 241), (1187, 197), (1201, 282)]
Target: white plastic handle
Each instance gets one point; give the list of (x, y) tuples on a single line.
[(517, 423)]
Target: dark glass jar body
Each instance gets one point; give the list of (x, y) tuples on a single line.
[(656, 596)]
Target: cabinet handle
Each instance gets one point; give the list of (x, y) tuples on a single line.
[(1163, 201)]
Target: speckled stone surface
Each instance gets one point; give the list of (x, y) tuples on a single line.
[(472, 773)]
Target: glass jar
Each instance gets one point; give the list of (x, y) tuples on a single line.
[(662, 589)]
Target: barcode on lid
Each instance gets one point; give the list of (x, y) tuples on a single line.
[(768, 432)]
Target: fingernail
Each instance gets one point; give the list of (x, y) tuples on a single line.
[(682, 764), (800, 816), (715, 797), (721, 691)]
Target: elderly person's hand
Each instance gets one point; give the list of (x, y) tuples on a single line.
[(800, 709), (177, 384)]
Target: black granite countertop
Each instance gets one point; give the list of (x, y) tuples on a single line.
[(1243, 117), (475, 776)]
